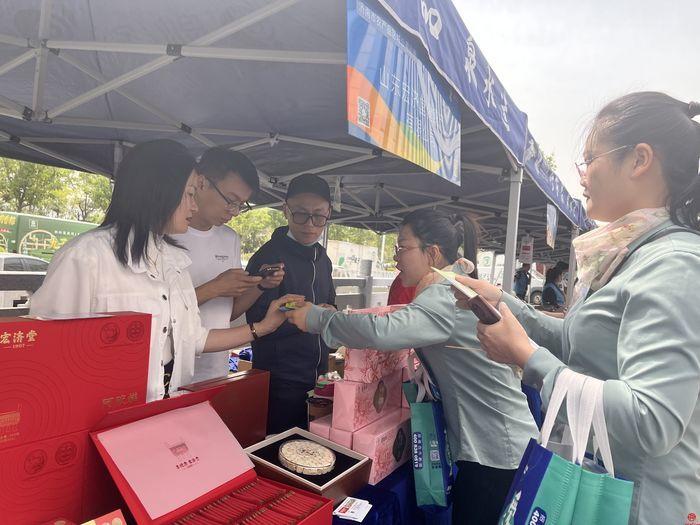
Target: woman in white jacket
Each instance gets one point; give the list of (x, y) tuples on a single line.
[(130, 263)]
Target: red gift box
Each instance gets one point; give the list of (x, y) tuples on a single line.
[(240, 400), (238, 489), (58, 378)]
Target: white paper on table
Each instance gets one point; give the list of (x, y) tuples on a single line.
[(173, 458), (353, 509)]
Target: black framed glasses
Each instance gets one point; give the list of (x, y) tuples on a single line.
[(234, 206), (301, 217), (584, 164)]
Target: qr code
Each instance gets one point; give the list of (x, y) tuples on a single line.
[(434, 455), (363, 112)]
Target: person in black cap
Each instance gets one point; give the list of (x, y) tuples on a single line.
[(295, 359)]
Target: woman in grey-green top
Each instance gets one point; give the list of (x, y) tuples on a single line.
[(487, 416), (637, 323)]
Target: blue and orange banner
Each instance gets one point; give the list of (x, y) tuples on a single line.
[(394, 100)]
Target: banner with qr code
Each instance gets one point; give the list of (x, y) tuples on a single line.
[(394, 99)]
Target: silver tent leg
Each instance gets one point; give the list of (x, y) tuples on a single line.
[(492, 279), (516, 183), (572, 268)]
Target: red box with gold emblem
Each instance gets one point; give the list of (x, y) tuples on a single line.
[(58, 378)]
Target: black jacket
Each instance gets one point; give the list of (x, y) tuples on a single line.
[(288, 353)]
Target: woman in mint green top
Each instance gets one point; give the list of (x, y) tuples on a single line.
[(487, 416), (636, 324)]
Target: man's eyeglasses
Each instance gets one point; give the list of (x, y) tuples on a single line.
[(300, 217), (583, 165), (234, 206)]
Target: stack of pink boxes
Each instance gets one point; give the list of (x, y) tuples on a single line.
[(369, 408)]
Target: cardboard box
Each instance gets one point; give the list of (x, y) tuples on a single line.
[(244, 365), (342, 437), (356, 405), (241, 403), (367, 365), (58, 378), (204, 466), (349, 476), (386, 442), (321, 426)]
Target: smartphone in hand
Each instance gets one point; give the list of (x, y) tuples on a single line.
[(266, 272), (483, 310)]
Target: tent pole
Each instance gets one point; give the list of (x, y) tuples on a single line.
[(516, 182), (492, 279), (41, 58), (17, 61), (572, 267)]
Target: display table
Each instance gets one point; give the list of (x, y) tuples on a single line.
[(394, 503)]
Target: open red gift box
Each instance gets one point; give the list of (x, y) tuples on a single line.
[(175, 461)]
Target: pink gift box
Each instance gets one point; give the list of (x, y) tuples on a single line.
[(342, 437), (387, 442), (368, 365), (356, 405), (321, 426)]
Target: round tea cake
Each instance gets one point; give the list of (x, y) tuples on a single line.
[(306, 457)]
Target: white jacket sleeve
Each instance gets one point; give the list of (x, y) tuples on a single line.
[(69, 284)]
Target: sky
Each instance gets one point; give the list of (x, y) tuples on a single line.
[(561, 61)]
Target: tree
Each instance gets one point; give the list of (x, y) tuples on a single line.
[(45, 190), (551, 161), (255, 228), (27, 187), (88, 196)]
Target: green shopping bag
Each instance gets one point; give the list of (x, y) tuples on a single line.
[(432, 461), (551, 490)]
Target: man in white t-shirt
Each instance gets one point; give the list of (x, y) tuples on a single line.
[(224, 290)]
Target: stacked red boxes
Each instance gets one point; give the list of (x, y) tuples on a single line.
[(58, 378)]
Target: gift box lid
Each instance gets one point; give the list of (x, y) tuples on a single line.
[(265, 453), (180, 444)]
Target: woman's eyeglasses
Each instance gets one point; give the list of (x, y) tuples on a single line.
[(398, 250), (584, 164), (300, 217), (234, 206)]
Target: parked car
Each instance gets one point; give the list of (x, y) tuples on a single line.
[(14, 262)]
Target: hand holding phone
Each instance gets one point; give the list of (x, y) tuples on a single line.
[(483, 310), (266, 272)]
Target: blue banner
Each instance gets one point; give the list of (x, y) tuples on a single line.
[(552, 186), (394, 100), (455, 54)]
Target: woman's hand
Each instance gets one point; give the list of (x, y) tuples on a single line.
[(489, 292), (505, 341), (298, 316), (275, 316)]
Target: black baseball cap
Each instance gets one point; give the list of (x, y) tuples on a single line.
[(309, 183)]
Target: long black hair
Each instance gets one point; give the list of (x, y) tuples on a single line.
[(148, 188), (447, 232), (667, 125)]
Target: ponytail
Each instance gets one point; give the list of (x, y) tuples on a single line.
[(452, 234)]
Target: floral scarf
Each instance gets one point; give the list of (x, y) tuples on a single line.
[(600, 251)]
